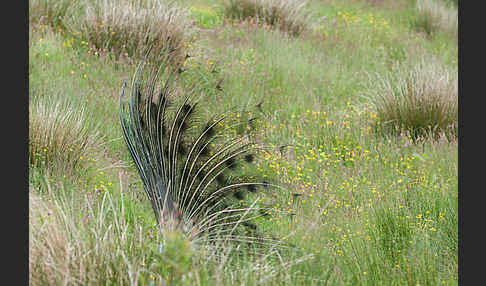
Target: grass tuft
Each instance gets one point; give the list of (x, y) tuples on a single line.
[(435, 15), (89, 247), (420, 100), (286, 15), (59, 139), (49, 12), (128, 28)]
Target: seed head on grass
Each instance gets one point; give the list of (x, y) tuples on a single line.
[(191, 169)]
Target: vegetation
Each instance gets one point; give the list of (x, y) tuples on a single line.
[(59, 136), (358, 116), (433, 15), (287, 15), (420, 100), (49, 12)]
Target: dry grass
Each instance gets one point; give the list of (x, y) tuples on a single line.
[(49, 12), (287, 15), (434, 16), (81, 242), (59, 139), (129, 27), (90, 241), (419, 100), (49, 252)]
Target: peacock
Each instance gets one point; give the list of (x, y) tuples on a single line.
[(197, 174)]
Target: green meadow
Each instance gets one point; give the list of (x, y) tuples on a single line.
[(358, 108)]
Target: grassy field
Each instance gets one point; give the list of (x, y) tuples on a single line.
[(359, 110)]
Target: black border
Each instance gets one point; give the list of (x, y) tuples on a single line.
[(15, 117)]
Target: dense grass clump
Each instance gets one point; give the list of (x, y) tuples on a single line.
[(83, 240), (434, 16), (286, 15), (128, 28), (49, 12), (419, 100), (58, 134)]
